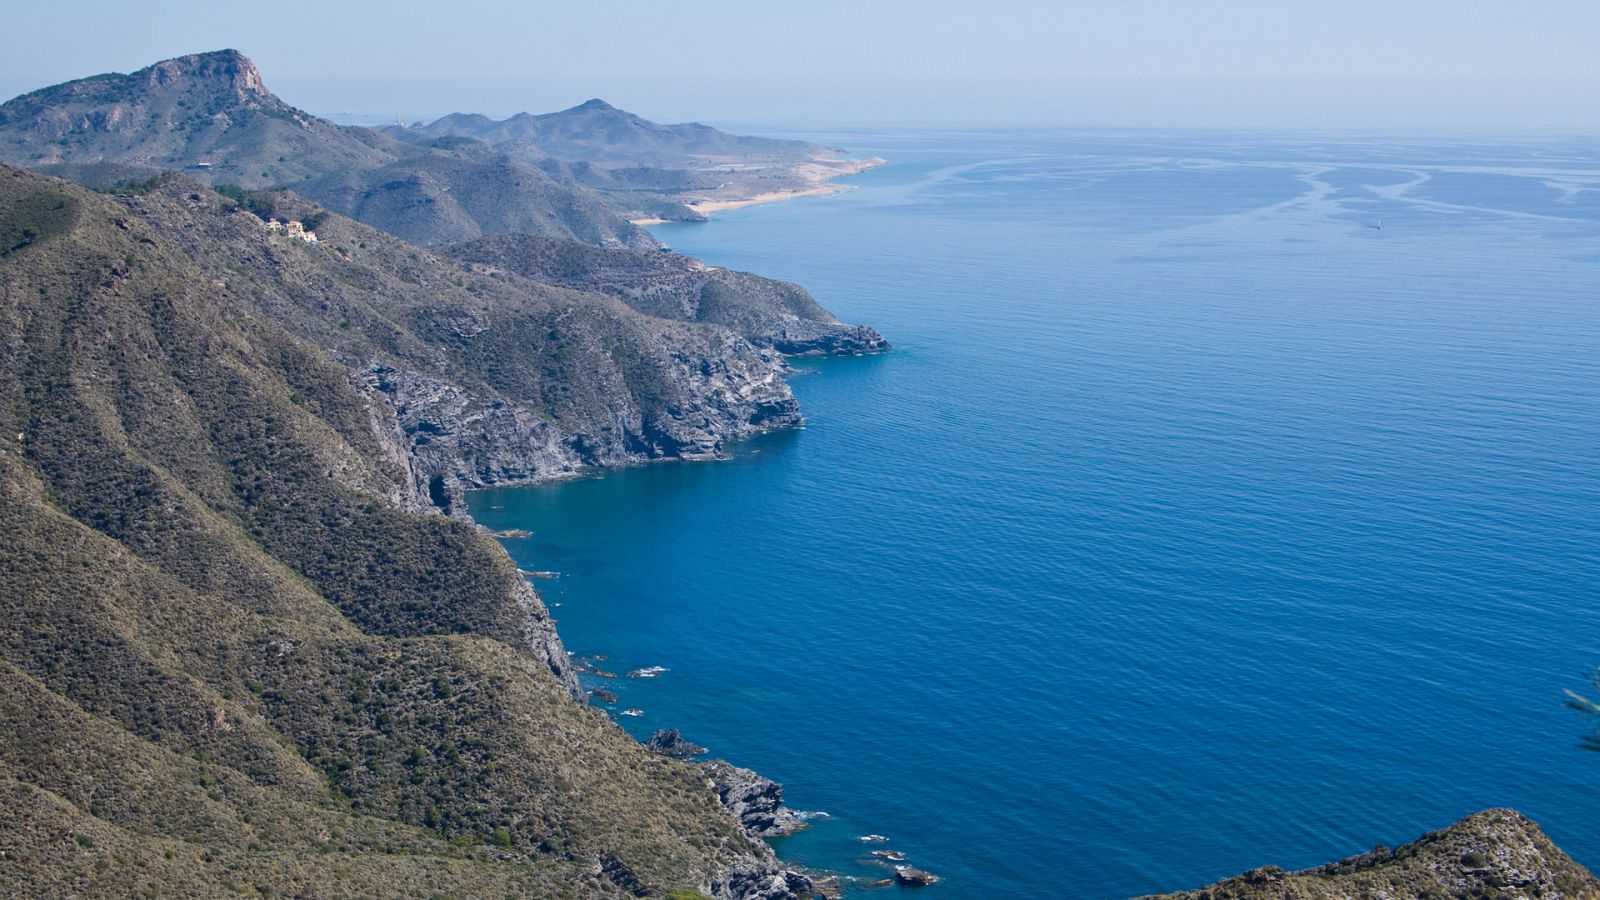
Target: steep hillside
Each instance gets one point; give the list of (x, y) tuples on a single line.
[(769, 313), (446, 196), (240, 653), (1496, 853), (211, 116), (494, 378)]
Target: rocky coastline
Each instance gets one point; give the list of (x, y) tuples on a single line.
[(458, 439), (467, 446)]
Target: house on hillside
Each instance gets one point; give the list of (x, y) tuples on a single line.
[(293, 228)]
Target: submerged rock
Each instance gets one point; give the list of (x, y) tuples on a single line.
[(602, 695), (891, 855)]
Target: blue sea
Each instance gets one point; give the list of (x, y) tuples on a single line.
[(1227, 499)]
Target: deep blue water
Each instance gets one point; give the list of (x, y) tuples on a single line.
[(1195, 523)]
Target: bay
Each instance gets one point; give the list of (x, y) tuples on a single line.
[(1228, 499)]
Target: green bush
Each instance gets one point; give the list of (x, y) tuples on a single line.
[(34, 218)]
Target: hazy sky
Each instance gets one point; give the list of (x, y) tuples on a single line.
[(1377, 64)]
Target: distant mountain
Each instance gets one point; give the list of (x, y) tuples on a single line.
[(210, 110), (211, 116), (600, 133), (243, 652), (649, 170)]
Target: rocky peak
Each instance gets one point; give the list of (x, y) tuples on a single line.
[(224, 69)]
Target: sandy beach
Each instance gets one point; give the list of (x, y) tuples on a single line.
[(711, 206), (817, 174)]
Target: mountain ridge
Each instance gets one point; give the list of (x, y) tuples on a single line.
[(211, 116), (598, 132)]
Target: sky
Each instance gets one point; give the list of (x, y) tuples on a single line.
[(1396, 65)]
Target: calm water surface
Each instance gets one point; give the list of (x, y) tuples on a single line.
[(1228, 500)]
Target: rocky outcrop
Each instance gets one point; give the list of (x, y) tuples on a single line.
[(807, 337), (1496, 853), (761, 883), (756, 801), (670, 742)]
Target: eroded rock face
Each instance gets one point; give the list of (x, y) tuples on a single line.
[(1495, 853), (462, 438), (756, 801)]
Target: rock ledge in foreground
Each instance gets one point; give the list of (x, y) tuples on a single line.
[(1495, 853)]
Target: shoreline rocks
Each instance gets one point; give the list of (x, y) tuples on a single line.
[(756, 801)]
